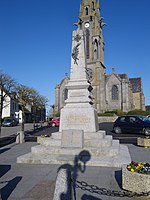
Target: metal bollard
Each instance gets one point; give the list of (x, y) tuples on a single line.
[(63, 185), (20, 137)]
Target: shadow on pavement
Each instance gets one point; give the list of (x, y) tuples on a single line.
[(3, 150), (89, 197), (72, 171), (9, 187), (7, 140), (4, 169), (118, 177)]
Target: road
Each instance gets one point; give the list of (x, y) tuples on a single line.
[(8, 133), (126, 138)]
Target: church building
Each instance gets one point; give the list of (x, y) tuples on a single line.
[(110, 91)]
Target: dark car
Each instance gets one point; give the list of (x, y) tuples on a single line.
[(10, 122), (132, 124)]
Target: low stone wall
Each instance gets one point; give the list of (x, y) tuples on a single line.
[(144, 142), (106, 119), (135, 182)]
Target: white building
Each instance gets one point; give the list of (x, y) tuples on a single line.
[(10, 107)]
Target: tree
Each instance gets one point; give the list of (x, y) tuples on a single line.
[(24, 98), (29, 96), (7, 88), (38, 102)]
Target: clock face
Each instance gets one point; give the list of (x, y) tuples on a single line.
[(86, 25), (89, 74)]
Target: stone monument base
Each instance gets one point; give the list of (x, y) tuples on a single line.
[(97, 149)]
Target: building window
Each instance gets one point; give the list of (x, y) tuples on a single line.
[(95, 49), (115, 93), (65, 94), (87, 33), (93, 5), (86, 10)]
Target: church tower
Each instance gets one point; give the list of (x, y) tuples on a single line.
[(110, 92), (91, 23)]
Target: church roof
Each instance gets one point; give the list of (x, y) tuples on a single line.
[(123, 76), (136, 84)]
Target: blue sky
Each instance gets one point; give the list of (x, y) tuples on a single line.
[(35, 40)]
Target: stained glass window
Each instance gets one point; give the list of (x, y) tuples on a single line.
[(115, 92)]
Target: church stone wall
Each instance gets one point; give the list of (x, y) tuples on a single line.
[(113, 104), (137, 101)]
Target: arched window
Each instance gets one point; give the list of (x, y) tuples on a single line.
[(93, 4), (65, 94), (95, 49), (86, 10), (87, 33), (115, 92)]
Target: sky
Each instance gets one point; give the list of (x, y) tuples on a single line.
[(36, 35)]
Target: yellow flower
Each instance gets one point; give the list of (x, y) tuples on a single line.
[(132, 170)]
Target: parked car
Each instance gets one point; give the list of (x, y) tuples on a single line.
[(54, 122), (132, 124), (10, 122)]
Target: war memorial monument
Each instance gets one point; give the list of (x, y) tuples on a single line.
[(79, 129)]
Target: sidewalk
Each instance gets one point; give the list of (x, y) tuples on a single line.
[(37, 182)]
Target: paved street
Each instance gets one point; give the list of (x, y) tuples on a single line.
[(7, 131), (37, 182), (124, 138)]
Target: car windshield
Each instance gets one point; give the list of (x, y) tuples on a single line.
[(7, 120), (144, 118)]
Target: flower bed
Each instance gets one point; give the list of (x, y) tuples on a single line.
[(136, 177), (41, 138), (144, 142)]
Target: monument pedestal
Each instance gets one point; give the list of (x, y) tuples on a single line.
[(81, 118), (78, 137), (58, 149)]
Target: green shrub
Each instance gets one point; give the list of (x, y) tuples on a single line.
[(106, 114), (7, 118), (112, 113), (57, 114), (138, 112)]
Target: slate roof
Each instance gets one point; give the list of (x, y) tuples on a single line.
[(123, 76), (147, 108), (136, 84)]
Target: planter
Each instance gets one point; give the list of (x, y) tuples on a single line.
[(40, 139), (144, 142), (135, 182)]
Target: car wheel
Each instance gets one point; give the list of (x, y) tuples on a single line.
[(53, 124), (117, 130), (147, 131)]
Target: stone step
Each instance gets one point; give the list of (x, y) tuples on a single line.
[(96, 135), (101, 151), (97, 143), (51, 142), (94, 142), (116, 161)]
